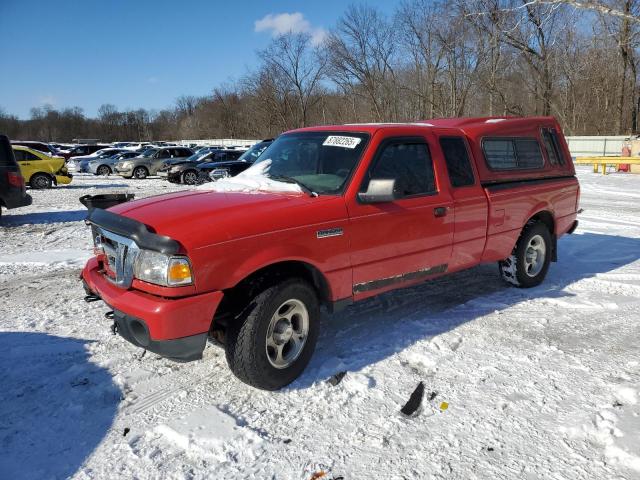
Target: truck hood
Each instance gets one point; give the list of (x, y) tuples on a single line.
[(198, 219)]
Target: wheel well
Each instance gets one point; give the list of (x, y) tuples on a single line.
[(237, 297), (545, 217), (103, 165)]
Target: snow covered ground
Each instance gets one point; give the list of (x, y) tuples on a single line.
[(540, 383)]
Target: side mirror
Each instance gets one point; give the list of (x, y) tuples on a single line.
[(378, 191)]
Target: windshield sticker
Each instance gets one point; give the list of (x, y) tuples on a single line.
[(344, 142)]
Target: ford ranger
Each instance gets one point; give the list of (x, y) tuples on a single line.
[(325, 217)]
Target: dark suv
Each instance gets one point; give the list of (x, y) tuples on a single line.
[(12, 189)]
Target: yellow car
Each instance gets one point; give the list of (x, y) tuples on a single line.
[(39, 169)]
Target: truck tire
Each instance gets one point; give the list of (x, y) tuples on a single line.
[(529, 262), (140, 173), (103, 170), (271, 342), (40, 181)]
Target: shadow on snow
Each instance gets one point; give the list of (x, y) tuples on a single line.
[(84, 186), (377, 328), (63, 216), (56, 406)]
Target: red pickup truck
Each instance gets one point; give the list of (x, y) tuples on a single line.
[(328, 216)]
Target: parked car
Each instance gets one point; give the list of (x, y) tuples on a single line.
[(173, 170), (81, 164), (232, 168), (228, 167), (13, 193), (216, 159), (40, 146), (82, 150), (187, 171), (345, 213), (150, 162), (39, 169), (106, 165)]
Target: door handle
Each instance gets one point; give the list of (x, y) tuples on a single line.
[(440, 211)]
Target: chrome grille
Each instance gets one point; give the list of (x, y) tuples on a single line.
[(120, 253)]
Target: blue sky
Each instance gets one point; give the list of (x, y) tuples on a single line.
[(139, 53)]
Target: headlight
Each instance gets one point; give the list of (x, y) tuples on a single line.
[(160, 269)]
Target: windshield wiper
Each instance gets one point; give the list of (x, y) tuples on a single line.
[(287, 179)]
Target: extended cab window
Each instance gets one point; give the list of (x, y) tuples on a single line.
[(512, 153), (552, 146), (409, 163), (458, 163)]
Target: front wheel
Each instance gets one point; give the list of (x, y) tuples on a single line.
[(271, 342), (529, 262), (190, 177), (140, 173), (40, 181)]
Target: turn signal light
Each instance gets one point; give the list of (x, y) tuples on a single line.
[(179, 272)]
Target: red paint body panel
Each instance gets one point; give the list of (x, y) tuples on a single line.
[(229, 236), (166, 318)]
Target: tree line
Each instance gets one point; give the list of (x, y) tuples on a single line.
[(428, 59)]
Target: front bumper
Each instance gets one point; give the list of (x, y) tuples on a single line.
[(124, 172), (176, 328), (64, 179), (135, 331)]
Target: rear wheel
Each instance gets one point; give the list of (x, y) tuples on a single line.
[(271, 342), (140, 173), (104, 170), (40, 181), (190, 177), (528, 264)]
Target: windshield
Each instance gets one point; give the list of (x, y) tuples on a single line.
[(149, 153), (254, 152), (321, 161), (107, 154), (199, 155)]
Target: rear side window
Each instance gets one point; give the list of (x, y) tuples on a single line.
[(19, 154), (552, 146), (512, 153), (458, 163), (409, 164)]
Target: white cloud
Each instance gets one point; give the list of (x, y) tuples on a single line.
[(153, 79), (281, 23)]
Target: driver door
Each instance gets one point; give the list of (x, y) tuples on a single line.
[(408, 239)]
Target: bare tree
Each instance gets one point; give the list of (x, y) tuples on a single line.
[(361, 51), (298, 67)]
